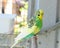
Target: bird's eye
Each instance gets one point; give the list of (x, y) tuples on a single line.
[(38, 14)]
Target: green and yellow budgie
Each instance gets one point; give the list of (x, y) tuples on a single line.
[(28, 32)]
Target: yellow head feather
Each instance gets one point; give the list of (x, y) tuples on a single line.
[(41, 12)]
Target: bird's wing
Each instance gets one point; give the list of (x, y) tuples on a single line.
[(31, 21)]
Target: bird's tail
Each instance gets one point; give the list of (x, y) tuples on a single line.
[(14, 44)]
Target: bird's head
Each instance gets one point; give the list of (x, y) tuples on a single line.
[(40, 14)]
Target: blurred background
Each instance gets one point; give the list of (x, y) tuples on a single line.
[(14, 12)]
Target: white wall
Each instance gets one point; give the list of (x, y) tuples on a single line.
[(49, 7), (0, 6), (48, 40), (58, 39)]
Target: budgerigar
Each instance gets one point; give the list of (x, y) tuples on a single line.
[(28, 32)]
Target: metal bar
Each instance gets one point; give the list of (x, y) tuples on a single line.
[(56, 26), (35, 39)]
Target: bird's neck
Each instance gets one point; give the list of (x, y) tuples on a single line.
[(40, 17)]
